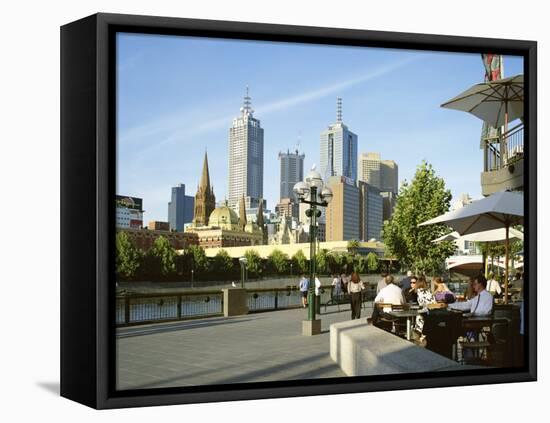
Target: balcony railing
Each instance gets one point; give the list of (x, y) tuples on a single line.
[(135, 309), (503, 150)]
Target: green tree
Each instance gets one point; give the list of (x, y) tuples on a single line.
[(353, 246), (222, 263), (128, 257), (322, 262), (254, 265), (199, 261), (164, 255), (300, 262), (360, 264), (424, 198), (372, 262), (277, 262)]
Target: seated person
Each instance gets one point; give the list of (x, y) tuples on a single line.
[(410, 293), (391, 294), (442, 293), (481, 304), (424, 297), (469, 293)]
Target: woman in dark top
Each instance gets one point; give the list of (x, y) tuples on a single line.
[(355, 287)]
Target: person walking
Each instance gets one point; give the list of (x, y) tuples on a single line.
[(304, 287), (337, 284), (355, 288)]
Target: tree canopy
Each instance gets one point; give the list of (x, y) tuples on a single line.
[(128, 257), (424, 198)]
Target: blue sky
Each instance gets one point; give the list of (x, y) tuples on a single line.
[(177, 96)]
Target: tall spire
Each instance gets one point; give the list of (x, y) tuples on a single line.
[(242, 213), (338, 110), (260, 217), (205, 178)]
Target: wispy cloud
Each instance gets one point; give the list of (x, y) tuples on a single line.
[(179, 125)]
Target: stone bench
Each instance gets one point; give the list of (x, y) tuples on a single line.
[(361, 349)]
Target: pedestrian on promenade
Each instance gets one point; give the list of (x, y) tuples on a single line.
[(355, 288), (382, 282), (317, 295), (337, 284), (303, 286), (345, 282)]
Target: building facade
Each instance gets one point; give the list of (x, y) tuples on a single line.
[(292, 171), (287, 207), (338, 154), (129, 212), (155, 225), (343, 213), (145, 238), (246, 158), (370, 213), (381, 174), (180, 208)]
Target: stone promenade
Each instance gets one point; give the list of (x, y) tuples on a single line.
[(257, 347)]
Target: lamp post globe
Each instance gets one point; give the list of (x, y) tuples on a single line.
[(301, 190), (326, 195)]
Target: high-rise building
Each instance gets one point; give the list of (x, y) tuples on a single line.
[(205, 201), (338, 155), (343, 213), (355, 211), (180, 208), (287, 207), (389, 176), (381, 174), (371, 209), (292, 171), (246, 158), (369, 169), (129, 212)]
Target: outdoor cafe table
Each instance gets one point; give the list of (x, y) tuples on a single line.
[(409, 315)]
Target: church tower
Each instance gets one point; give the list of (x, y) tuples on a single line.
[(205, 201)]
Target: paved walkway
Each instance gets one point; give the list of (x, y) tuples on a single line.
[(257, 347)]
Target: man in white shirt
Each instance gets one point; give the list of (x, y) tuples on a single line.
[(381, 283), (481, 304), (493, 287), (390, 294)]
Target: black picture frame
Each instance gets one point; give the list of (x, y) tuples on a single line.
[(88, 210)]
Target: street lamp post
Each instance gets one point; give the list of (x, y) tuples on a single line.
[(312, 191)]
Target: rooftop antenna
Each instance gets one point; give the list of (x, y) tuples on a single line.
[(338, 109), (298, 141), (247, 103)]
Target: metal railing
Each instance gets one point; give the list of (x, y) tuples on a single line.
[(134, 309), (503, 150)]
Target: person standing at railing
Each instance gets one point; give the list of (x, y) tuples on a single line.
[(317, 295), (337, 284), (355, 288), (304, 286)]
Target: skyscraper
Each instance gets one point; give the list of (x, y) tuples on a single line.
[(292, 171), (338, 156), (180, 208), (246, 158), (382, 174), (205, 201)]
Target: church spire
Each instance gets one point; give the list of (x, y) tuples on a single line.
[(205, 178), (260, 217), (242, 213)]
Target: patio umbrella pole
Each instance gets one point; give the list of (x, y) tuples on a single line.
[(506, 247)]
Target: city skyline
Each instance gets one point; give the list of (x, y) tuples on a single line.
[(162, 146)]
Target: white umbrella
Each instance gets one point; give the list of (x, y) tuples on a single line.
[(452, 236), (494, 235), (495, 102), (500, 210)]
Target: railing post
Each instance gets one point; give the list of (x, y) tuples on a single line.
[(276, 299), (179, 307), (126, 309)]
